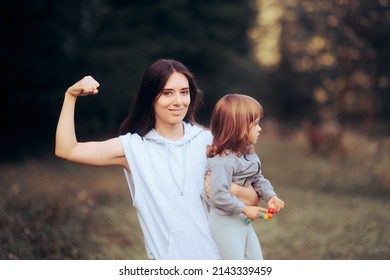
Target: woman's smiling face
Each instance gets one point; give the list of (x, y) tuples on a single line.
[(171, 105)]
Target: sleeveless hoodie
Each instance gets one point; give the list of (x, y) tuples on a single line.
[(166, 182)]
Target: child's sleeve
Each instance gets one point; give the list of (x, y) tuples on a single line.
[(221, 179), (263, 186)]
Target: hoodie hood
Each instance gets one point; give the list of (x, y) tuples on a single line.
[(177, 151), (190, 132)]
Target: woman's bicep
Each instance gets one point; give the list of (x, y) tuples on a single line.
[(99, 153)]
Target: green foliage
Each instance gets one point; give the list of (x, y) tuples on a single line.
[(334, 57), (58, 42)]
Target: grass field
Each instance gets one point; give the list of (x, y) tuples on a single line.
[(337, 205)]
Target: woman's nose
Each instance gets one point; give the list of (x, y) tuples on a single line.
[(178, 99)]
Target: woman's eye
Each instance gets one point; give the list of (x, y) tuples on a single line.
[(185, 92), (167, 92)]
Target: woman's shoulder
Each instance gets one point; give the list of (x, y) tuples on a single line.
[(129, 138), (129, 135), (196, 131), (196, 127)]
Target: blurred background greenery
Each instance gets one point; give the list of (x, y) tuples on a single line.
[(300, 59), (319, 68)]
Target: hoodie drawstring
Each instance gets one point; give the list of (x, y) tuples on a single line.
[(179, 185)]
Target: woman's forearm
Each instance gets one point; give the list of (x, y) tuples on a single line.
[(247, 195)]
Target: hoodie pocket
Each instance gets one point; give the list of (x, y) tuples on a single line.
[(191, 245)]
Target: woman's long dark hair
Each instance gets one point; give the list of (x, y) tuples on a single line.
[(141, 118)]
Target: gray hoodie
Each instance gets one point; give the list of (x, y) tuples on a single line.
[(166, 182)]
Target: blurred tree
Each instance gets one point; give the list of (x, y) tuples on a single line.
[(51, 44), (209, 37), (322, 56), (327, 55)]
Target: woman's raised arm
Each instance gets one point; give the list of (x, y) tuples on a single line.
[(99, 153)]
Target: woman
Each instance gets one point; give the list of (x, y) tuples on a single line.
[(161, 149)]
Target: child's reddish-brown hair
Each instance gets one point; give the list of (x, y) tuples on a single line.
[(230, 123)]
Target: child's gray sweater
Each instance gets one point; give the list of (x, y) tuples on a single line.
[(244, 171)]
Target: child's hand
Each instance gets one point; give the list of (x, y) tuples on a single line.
[(276, 203), (253, 212)]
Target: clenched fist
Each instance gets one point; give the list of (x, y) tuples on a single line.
[(85, 86)]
